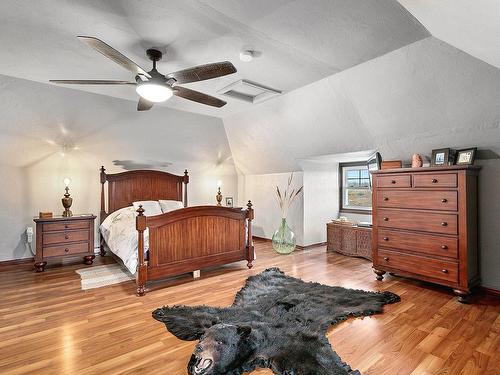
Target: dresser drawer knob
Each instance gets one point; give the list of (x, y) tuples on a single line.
[(393, 181), (66, 250), (444, 247), (386, 259), (386, 238), (444, 224), (66, 226), (386, 219), (444, 271), (66, 236), (444, 200), (434, 181), (386, 199)]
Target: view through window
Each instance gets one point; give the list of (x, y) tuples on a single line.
[(356, 192)]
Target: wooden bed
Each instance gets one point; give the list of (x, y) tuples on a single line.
[(183, 240)]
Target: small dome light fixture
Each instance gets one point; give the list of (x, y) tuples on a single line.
[(154, 92), (246, 55)]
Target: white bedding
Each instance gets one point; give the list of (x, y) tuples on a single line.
[(118, 230)]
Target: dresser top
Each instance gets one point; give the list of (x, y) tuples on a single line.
[(37, 219), (474, 168)]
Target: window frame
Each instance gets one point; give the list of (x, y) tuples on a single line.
[(341, 189)]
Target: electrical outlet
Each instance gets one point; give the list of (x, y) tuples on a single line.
[(29, 234)]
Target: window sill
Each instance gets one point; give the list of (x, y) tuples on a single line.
[(354, 211)]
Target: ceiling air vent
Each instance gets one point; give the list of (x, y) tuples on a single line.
[(249, 91)]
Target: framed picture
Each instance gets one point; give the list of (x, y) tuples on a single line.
[(442, 156), (229, 201), (466, 156), (374, 162)]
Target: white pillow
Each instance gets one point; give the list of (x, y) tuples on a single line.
[(151, 208), (168, 205), (126, 212)]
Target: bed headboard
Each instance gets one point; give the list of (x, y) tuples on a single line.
[(141, 185)]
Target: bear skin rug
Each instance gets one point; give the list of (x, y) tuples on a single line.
[(276, 321)]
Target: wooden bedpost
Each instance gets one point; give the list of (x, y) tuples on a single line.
[(185, 181), (142, 268), (250, 248), (102, 214)]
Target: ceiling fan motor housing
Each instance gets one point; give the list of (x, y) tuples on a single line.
[(154, 54)]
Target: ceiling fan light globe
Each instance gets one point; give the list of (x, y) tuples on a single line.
[(154, 92)]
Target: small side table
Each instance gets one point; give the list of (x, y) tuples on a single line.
[(58, 237)]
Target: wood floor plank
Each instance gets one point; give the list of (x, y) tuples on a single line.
[(48, 325)]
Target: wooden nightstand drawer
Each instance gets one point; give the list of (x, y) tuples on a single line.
[(64, 225), (66, 249), (64, 237)]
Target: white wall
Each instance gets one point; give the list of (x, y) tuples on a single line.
[(37, 119), (261, 190)]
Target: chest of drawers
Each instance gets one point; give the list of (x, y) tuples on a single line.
[(58, 237), (425, 225)]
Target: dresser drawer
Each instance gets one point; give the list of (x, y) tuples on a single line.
[(63, 237), (429, 200), (68, 249), (432, 180), (394, 181), (63, 225), (434, 268), (418, 220), (419, 243)]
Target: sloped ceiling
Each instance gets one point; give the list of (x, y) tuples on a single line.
[(425, 95), (470, 25), (299, 41)]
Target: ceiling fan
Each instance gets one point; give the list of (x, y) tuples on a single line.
[(154, 87)]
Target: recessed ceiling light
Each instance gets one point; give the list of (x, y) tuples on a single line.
[(246, 56)]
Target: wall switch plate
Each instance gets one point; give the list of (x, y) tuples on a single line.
[(29, 234)]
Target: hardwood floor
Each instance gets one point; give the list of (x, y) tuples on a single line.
[(49, 326)]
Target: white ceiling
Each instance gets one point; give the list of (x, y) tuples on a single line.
[(300, 41), (470, 25)]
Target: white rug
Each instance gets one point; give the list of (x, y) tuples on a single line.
[(99, 276)]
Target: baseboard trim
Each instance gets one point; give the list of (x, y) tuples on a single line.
[(490, 291), (299, 247), (14, 262)]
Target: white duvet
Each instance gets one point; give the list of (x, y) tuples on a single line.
[(118, 230)]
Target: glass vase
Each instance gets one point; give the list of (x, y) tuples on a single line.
[(284, 239)]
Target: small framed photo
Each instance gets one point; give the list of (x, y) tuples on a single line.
[(229, 201), (466, 156), (374, 162), (442, 156)]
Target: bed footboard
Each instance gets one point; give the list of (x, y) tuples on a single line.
[(193, 238)]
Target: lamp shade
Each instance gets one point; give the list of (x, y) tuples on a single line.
[(67, 181)]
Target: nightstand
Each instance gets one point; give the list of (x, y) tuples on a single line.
[(58, 237)]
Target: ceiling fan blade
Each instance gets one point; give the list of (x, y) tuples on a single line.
[(144, 105), (198, 97), (90, 82), (203, 72), (113, 54)]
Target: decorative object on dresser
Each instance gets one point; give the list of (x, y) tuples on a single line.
[(391, 164), (417, 161), (61, 236), (349, 239), (67, 201), (443, 157), (425, 225), (276, 322), (218, 197), (180, 241), (229, 201), (466, 156)]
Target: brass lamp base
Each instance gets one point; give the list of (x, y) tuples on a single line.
[(219, 198), (67, 201), (67, 213)]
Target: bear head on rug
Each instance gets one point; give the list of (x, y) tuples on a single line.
[(276, 321)]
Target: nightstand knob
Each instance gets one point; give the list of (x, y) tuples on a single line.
[(386, 199), (444, 224), (386, 238), (66, 226), (66, 250), (444, 200), (393, 181), (386, 259), (434, 181), (386, 219), (444, 271), (444, 247), (66, 236)]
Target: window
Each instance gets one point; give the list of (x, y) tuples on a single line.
[(355, 192)]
